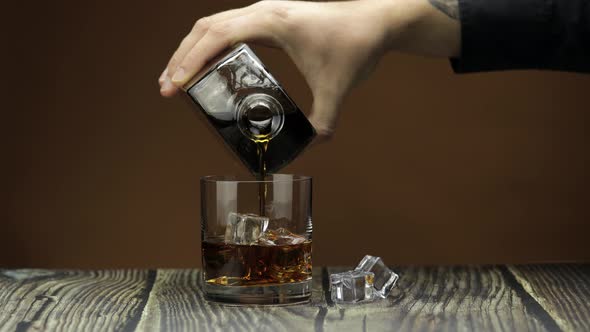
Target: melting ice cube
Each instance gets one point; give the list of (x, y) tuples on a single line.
[(280, 237), (244, 228), (351, 286), (385, 279)]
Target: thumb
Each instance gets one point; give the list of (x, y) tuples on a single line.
[(323, 118)]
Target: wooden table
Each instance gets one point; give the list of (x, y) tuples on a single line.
[(472, 298)]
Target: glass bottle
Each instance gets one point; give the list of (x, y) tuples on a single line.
[(251, 111)]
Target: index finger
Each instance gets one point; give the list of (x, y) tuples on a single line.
[(198, 31), (220, 36)]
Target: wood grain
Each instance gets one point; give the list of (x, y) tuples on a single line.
[(476, 298), (72, 300), (176, 303), (562, 290), (442, 299)]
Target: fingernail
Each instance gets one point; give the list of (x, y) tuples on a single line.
[(163, 76), (178, 75), (167, 85)]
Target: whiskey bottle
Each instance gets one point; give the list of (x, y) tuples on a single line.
[(250, 110)]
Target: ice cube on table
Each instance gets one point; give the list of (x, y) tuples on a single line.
[(280, 237), (244, 228), (351, 287), (385, 279)]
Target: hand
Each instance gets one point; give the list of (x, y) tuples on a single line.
[(334, 45)]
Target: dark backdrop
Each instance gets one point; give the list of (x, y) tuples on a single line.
[(426, 166)]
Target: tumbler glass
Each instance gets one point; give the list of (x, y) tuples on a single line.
[(256, 239)]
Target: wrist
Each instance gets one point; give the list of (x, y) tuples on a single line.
[(400, 19), (415, 26)]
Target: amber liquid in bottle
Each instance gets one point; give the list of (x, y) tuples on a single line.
[(238, 89)]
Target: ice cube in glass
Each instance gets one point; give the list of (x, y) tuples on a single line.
[(280, 237), (244, 228)]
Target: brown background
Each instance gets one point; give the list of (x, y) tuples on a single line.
[(426, 166)]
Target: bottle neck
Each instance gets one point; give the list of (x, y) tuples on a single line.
[(260, 117)]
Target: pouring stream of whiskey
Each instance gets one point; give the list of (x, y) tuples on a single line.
[(261, 148), (260, 120)]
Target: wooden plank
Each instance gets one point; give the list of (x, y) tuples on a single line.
[(534, 298), (176, 303), (442, 299), (562, 290), (72, 300)]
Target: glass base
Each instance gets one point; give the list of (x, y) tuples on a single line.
[(273, 294)]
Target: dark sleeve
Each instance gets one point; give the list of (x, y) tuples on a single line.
[(524, 34)]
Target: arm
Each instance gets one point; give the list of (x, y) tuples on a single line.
[(524, 34), (337, 44), (333, 44)]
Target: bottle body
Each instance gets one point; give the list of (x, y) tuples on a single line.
[(250, 110)]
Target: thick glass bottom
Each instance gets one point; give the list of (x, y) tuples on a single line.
[(271, 294)]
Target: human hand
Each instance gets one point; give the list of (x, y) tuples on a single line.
[(334, 44)]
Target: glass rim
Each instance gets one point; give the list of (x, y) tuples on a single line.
[(247, 179)]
